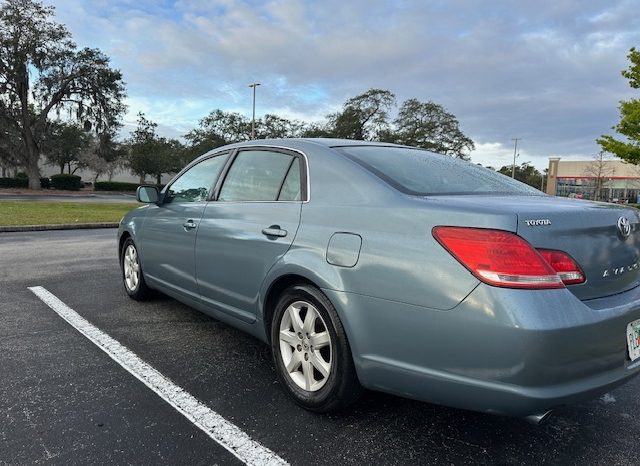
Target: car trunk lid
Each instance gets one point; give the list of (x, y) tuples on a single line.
[(603, 239)]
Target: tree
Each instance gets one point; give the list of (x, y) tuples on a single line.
[(273, 126), (629, 125), (142, 147), (363, 117), (63, 145), (10, 146), (633, 73), (316, 130), (168, 158), (599, 170), (150, 154), (220, 128), (421, 124), (429, 125), (524, 172), (42, 70), (215, 130), (112, 152), (227, 127), (103, 155)]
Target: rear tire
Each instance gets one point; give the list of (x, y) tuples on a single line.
[(132, 275), (311, 352)]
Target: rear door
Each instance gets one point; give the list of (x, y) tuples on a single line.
[(168, 236), (248, 228)]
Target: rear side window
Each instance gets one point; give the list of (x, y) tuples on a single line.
[(419, 172), (256, 175), (291, 187)]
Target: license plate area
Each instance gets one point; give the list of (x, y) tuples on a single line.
[(633, 339)]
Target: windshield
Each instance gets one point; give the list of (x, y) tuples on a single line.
[(419, 172)]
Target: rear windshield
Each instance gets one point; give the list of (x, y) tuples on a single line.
[(420, 172)]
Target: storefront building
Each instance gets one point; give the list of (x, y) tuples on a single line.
[(600, 180)]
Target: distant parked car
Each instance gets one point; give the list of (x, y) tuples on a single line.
[(396, 269)]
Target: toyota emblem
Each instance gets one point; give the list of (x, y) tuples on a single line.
[(624, 227)]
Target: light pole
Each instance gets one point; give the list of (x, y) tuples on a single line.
[(253, 117), (515, 149)]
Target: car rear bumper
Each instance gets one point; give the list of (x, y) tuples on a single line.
[(525, 353)]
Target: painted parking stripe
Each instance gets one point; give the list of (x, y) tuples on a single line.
[(211, 423)]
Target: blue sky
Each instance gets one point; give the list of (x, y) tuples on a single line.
[(547, 72)]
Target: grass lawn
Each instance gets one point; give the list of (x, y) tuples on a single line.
[(54, 213)]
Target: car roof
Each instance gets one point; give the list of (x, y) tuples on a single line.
[(297, 142)]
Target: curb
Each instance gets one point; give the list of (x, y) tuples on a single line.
[(64, 226)]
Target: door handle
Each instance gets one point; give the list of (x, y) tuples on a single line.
[(274, 230), (189, 225)]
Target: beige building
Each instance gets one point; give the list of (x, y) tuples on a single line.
[(120, 174), (602, 180)]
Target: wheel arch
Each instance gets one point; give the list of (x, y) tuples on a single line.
[(123, 237), (297, 266), (274, 292)]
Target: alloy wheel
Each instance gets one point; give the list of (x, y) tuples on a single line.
[(305, 346), (131, 268)]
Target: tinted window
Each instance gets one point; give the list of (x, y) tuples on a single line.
[(420, 172), (255, 176), (291, 187), (194, 184)]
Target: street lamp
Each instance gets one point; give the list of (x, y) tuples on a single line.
[(253, 117), (515, 149)]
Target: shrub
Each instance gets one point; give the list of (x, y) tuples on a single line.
[(114, 186), (65, 181), (14, 183), (20, 182)]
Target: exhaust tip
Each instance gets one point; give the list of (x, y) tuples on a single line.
[(537, 419)]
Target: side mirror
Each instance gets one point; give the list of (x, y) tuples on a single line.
[(147, 194)]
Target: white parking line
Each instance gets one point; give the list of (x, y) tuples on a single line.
[(211, 423)]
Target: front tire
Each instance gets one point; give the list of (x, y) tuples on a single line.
[(132, 276), (311, 352)]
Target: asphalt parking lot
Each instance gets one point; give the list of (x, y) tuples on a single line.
[(64, 401)]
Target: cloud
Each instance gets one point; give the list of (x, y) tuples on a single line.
[(546, 71)]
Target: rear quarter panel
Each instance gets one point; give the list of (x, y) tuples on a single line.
[(399, 259)]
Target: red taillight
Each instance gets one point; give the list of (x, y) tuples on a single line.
[(497, 257), (569, 271)]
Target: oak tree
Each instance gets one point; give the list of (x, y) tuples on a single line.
[(363, 117), (63, 145), (42, 70), (150, 154), (430, 126), (524, 172)]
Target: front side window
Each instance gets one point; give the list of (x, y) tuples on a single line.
[(194, 184), (258, 175)]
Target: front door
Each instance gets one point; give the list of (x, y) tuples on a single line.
[(170, 228)]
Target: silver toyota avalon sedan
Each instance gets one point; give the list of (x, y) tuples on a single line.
[(370, 265)]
